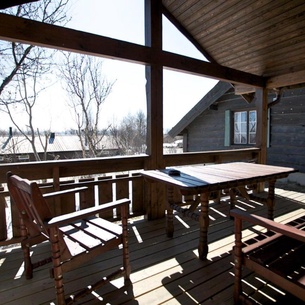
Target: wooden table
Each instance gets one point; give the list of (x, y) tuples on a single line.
[(202, 180)]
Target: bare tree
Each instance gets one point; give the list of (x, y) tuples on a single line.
[(25, 97), (22, 68), (87, 89), (130, 134), (15, 56)]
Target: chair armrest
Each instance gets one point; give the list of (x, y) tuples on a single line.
[(67, 218), (269, 224), (64, 192)]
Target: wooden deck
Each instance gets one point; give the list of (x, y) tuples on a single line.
[(164, 271)]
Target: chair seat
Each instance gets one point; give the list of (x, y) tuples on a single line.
[(284, 256), (277, 254), (83, 235)]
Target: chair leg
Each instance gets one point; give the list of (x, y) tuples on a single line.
[(126, 263), (28, 267), (237, 250), (57, 270)]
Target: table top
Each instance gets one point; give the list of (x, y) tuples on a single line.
[(200, 178)]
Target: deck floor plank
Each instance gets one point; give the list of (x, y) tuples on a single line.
[(164, 271)]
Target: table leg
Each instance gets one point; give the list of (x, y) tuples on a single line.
[(270, 199), (203, 226), (169, 212), (233, 200)]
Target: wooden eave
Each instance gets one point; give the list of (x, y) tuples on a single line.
[(211, 97), (264, 38), (33, 32)]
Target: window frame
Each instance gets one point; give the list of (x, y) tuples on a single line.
[(244, 126), (230, 127)]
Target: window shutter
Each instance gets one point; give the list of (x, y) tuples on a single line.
[(227, 141)]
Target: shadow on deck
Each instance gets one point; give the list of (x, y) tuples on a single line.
[(164, 271)]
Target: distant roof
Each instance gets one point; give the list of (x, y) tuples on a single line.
[(212, 96), (61, 143)]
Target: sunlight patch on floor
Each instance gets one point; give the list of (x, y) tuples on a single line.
[(182, 221), (137, 234)]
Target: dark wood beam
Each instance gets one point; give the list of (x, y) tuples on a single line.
[(291, 79), (195, 66), (33, 32), (9, 3), (262, 123), (154, 93), (154, 82)]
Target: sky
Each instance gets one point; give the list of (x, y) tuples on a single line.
[(124, 20)]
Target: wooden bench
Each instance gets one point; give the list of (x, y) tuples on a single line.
[(277, 254)]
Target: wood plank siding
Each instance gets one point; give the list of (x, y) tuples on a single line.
[(164, 271), (287, 138)]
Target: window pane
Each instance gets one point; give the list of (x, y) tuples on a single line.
[(252, 139), (240, 127), (252, 127), (236, 139), (236, 128), (252, 116), (244, 116), (243, 126), (244, 139)]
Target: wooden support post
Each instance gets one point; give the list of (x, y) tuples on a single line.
[(262, 127), (262, 123), (154, 93)]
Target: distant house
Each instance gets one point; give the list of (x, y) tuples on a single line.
[(223, 120), (18, 149)]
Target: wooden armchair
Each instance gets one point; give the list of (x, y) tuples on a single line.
[(277, 254), (75, 238)]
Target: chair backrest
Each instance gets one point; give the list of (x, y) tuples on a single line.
[(32, 206)]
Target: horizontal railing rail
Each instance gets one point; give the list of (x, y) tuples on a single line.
[(106, 179)]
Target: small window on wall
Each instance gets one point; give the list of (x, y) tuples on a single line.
[(245, 127)]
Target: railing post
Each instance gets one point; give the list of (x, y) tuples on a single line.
[(3, 224), (56, 187)]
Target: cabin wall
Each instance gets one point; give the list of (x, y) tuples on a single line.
[(287, 128), (207, 131)]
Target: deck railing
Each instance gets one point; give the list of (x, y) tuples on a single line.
[(106, 179)]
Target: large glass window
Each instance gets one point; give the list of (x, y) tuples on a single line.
[(245, 127)]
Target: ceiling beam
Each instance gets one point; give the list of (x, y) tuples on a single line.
[(195, 66), (9, 3), (276, 82), (285, 80), (14, 28)]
